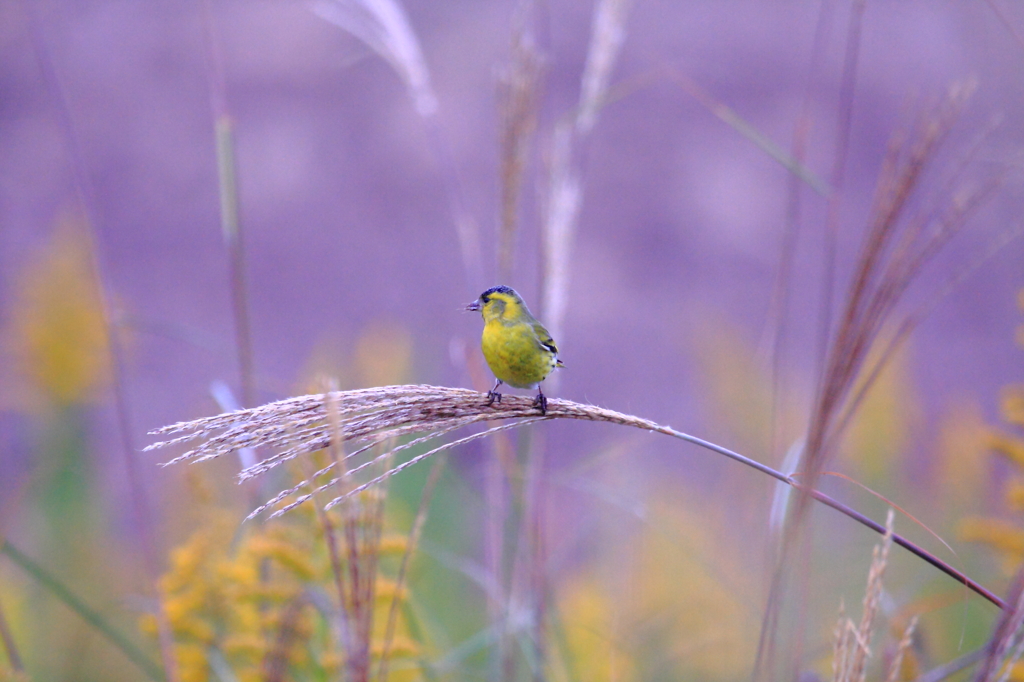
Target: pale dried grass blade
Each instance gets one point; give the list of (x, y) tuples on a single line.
[(385, 28), (519, 94), (564, 200), (308, 482), (403, 569), (606, 39), (1011, 664), (1008, 636), (853, 644), (901, 650), (418, 458), (840, 645)]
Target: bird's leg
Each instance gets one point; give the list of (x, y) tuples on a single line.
[(541, 401), (492, 395)]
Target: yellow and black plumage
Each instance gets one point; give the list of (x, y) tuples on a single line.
[(518, 349)]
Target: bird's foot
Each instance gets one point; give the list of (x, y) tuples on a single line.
[(541, 402), (493, 397)]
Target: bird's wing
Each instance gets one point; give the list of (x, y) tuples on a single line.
[(544, 337)]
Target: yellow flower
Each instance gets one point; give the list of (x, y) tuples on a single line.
[(1005, 537), (58, 327), (247, 597)]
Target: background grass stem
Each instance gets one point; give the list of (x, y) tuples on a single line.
[(90, 615)]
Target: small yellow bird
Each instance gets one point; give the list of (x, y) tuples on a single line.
[(518, 349)]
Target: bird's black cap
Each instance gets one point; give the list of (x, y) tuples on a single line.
[(501, 289)]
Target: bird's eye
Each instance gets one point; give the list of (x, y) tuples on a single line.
[(485, 299)]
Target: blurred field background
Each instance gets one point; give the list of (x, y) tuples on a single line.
[(634, 178)]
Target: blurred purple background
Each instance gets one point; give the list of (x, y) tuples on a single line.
[(346, 214)]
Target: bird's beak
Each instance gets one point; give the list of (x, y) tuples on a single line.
[(474, 306)]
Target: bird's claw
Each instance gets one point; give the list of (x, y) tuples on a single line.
[(493, 397), (541, 402)]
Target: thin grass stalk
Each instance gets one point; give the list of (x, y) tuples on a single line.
[(373, 566), (519, 95), (537, 548), (501, 507), (361, 585), (345, 629), (728, 116), (344, 626), (233, 241), (497, 497), (564, 199), (345, 617), (384, 27), (496, 472), (764, 661), (403, 568), (351, 605), (1018, 36), (275, 662), (449, 406), (779, 303), (865, 316), (838, 180), (841, 645), (565, 181), (906, 327), (876, 287), (527, 584), (226, 401), (778, 307), (943, 672), (362, 523), (767, 640), (1007, 631), (901, 651), (607, 35), (902, 170), (1011, 663), (227, 185), (853, 643), (230, 223), (496, 505), (94, 618), (9, 645), (467, 227), (872, 597), (7, 509), (338, 459), (356, 656), (891, 257), (880, 279), (140, 508), (86, 200)]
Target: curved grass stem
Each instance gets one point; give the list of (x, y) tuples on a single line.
[(405, 410)]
